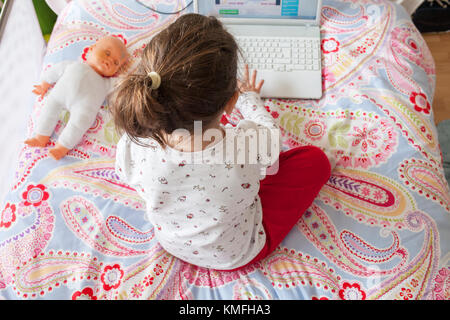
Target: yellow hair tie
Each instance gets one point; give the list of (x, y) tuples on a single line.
[(156, 80)]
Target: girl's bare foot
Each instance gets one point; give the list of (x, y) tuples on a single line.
[(58, 152), (38, 141)]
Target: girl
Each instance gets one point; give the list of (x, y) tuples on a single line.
[(208, 207)]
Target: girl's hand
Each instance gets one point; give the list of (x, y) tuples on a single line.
[(249, 85)]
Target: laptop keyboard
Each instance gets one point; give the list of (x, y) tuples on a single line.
[(280, 54)]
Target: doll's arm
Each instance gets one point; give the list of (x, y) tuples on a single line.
[(55, 72), (41, 89), (50, 76)]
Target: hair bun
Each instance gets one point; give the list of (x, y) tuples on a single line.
[(156, 80)]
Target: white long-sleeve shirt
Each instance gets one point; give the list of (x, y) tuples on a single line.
[(204, 206)]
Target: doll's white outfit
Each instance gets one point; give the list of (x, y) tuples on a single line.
[(79, 89)]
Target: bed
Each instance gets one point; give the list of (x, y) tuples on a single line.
[(379, 229)]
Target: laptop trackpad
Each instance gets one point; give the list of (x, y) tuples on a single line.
[(305, 84)]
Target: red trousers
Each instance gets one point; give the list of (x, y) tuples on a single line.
[(286, 195)]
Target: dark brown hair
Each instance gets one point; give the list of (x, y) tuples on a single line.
[(196, 59)]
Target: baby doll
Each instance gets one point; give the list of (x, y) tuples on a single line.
[(80, 88)]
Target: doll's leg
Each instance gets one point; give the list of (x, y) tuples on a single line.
[(38, 141), (58, 151), (46, 123), (79, 123)]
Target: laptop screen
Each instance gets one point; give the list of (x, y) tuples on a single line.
[(276, 9)]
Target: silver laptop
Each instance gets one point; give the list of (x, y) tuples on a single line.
[(279, 38)]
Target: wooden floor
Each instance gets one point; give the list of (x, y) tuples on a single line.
[(439, 44)]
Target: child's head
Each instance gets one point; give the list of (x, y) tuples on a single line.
[(196, 60)]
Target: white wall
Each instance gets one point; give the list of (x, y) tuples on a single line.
[(21, 50)]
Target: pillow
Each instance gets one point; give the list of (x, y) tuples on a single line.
[(57, 5)]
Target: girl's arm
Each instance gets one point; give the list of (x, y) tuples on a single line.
[(252, 108), (250, 104)]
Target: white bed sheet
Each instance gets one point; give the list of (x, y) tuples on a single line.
[(21, 50)]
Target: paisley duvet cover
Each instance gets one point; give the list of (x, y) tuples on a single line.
[(379, 229)]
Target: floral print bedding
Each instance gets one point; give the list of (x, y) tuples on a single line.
[(379, 229)]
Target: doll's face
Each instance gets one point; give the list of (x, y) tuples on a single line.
[(107, 56)]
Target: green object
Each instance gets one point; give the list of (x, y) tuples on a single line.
[(46, 17), (228, 11)]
